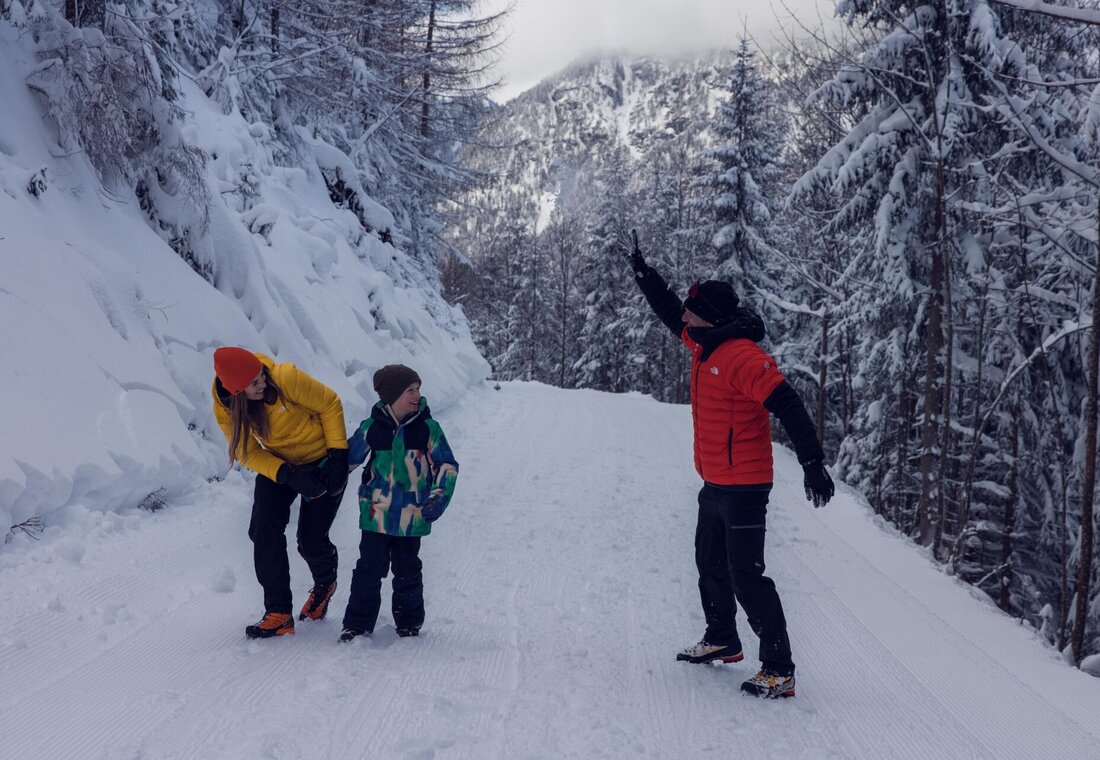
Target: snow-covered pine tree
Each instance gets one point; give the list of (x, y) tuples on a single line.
[(808, 317), (742, 187), (665, 188), (486, 286), (561, 242), (899, 175), (527, 330), (605, 333)]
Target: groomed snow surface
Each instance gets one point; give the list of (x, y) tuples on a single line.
[(560, 585)]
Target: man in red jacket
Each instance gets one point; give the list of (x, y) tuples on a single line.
[(734, 386)]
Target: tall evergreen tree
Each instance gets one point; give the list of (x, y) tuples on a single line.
[(604, 339), (744, 184)]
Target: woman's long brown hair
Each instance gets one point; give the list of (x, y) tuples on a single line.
[(248, 418)]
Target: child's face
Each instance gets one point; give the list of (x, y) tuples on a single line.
[(408, 402)]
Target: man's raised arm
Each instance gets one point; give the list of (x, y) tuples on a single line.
[(665, 304)]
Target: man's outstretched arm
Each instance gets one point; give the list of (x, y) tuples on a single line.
[(665, 304)]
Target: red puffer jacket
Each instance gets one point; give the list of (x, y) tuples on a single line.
[(733, 442)]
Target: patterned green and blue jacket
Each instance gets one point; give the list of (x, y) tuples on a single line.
[(405, 464)]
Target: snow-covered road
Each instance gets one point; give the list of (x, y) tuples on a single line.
[(559, 587)]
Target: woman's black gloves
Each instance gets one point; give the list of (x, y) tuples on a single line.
[(306, 480), (336, 470)]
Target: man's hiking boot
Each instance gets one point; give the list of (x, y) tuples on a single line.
[(273, 624), (350, 634), (317, 604), (769, 685), (704, 651), (407, 632)]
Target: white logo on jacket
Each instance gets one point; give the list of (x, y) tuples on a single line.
[(714, 370)]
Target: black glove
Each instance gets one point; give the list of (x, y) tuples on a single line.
[(305, 480), (336, 470), (637, 261), (819, 486), (432, 508)]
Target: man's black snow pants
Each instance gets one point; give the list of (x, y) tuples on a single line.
[(267, 529), (729, 552), (379, 553)]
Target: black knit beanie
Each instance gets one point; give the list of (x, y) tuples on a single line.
[(712, 300), (392, 380)]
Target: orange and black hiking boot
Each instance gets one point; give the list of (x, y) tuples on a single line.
[(273, 624), (317, 604), (768, 684)]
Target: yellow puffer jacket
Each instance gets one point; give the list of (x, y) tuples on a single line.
[(305, 424)]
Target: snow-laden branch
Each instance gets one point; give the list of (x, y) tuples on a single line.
[(1068, 329), (790, 306), (1080, 15)]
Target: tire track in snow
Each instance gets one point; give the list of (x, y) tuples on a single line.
[(99, 702), (116, 593), (861, 694), (505, 444), (1002, 738), (649, 663)]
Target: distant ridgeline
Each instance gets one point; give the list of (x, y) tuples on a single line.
[(921, 241)]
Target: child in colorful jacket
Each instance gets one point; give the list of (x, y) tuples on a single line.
[(408, 478)]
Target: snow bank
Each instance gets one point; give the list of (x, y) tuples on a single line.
[(108, 333)]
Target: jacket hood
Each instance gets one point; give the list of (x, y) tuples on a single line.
[(746, 323)]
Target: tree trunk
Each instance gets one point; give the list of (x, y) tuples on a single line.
[(365, 29), (1004, 598), (89, 13), (427, 82), (563, 306), (900, 497), (945, 427), (963, 514), (822, 375), (932, 370), (848, 393), (275, 32), (1088, 485)]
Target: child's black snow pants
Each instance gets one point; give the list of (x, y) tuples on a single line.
[(378, 554)]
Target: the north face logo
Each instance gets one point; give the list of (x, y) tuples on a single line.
[(714, 370)]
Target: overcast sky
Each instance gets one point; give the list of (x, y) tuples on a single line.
[(544, 36)]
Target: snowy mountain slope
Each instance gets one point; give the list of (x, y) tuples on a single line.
[(559, 587), (551, 139), (108, 333)]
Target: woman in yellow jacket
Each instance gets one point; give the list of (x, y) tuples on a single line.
[(288, 429)]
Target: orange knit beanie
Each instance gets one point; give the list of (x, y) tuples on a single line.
[(236, 368)]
